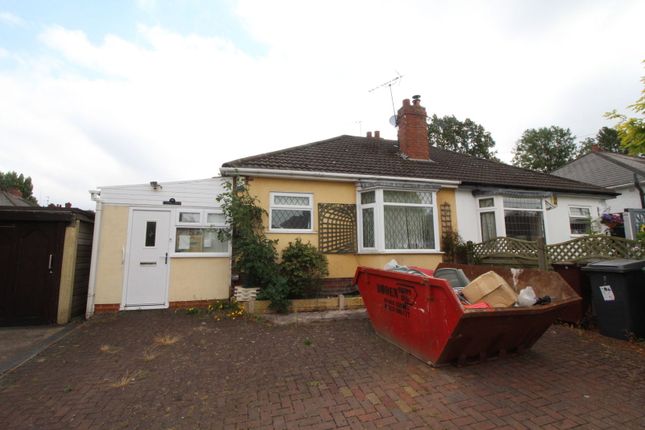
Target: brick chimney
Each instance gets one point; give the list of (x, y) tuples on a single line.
[(595, 148), (413, 129), (15, 192)]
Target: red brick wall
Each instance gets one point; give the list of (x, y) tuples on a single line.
[(413, 130)]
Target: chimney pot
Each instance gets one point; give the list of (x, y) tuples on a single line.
[(369, 134), (595, 148), (377, 134)]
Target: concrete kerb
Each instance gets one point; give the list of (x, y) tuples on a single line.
[(309, 317), (22, 356)]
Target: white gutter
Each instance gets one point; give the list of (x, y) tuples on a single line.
[(91, 288), (325, 176)]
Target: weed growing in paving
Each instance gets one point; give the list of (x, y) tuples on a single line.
[(126, 379), (166, 340), (109, 349)]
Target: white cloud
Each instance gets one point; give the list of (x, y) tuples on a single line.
[(172, 106), (11, 19)]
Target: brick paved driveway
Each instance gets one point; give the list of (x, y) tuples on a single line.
[(111, 373)]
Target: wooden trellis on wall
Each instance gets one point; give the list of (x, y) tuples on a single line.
[(446, 218), (337, 228)]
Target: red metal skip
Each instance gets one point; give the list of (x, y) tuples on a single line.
[(423, 316)]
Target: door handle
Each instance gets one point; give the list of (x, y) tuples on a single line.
[(166, 260), (49, 267)]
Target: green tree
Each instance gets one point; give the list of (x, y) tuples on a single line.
[(632, 130), (465, 137), (14, 180), (607, 140), (545, 149)]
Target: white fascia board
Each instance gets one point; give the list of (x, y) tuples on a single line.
[(325, 176)]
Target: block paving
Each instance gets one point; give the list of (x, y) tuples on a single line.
[(171, 370)]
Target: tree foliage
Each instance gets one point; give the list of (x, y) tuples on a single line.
[(14, 180), (545, 149), (632, 130), (465, 137), (607, 140)]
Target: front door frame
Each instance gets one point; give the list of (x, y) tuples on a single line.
[(127, 255)]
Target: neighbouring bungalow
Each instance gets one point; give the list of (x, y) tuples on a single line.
[(156, 246), (617, 172), (366, 200)]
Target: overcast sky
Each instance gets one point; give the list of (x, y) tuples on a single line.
[(119, 92)]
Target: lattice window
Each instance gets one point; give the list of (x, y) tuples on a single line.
[(337, 228)]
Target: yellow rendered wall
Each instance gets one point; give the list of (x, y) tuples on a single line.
[(323, 191), (113, 239), (199, 279), (341, 265), (66, 286)]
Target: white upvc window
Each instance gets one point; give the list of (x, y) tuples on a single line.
[(487, 219), (524, 217), (397, 221), (196, 233), (291, 212), (579, 220)]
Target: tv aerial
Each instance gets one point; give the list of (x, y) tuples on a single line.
[(389, 84)]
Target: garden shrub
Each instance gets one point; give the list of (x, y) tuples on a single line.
[(278, 293), (304, 267)]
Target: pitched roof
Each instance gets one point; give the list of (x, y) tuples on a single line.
[(381, 157), (8, 199), (605, 169)]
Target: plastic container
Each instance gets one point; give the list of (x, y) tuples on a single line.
[(423, 316), (572, 273), (618, 294)]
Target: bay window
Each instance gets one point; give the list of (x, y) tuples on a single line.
[(394, 220), (523, 217)]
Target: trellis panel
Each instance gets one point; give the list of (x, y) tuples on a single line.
[(337, 228)]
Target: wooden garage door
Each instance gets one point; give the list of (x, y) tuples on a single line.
[(30, 264)]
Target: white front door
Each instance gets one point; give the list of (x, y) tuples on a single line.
[(147, 273)]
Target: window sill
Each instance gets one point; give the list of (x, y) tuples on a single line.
[(401, 251), (200, 255), (292, 231)]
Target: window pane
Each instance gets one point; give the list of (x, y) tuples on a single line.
[(199, 240), (487, 203), (525, 225), (215, 219), (580, 225), (286, 200), (291, 219), (409, 227), (368, 228), (189, 217), (151, 233), (407, 197), (367, 198), (522, 203), (580, 212), (489, 231)]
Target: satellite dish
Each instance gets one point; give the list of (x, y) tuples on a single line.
[(393, 120)]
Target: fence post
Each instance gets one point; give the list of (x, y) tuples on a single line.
[(470, 258), (541, 253)]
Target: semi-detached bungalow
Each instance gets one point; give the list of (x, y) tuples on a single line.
[(366, 200)]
